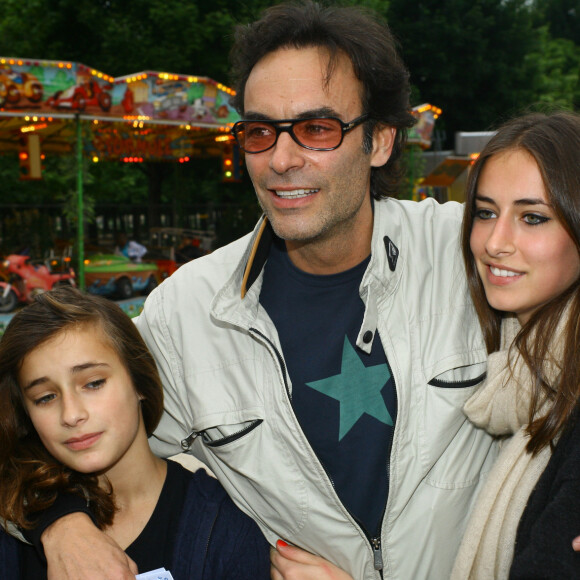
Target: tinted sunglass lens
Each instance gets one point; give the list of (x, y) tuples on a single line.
[(318, 133), (254, 137)]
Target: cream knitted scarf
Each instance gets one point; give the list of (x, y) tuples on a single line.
[(501, 407)]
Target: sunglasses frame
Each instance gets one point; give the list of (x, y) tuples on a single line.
[(288, 127)]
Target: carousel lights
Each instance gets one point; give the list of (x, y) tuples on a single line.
[(101, 75), (136, 78), (95, 159), (168, 76), (436, 111), (132, 159), (184, 159), (30, 128), (36, 118)]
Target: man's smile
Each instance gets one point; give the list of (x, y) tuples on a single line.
[(294, 193)]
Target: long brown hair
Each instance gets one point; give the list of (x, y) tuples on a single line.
[(553, 140), (31, 478)]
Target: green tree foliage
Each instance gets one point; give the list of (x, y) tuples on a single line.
[(558, 67), (562, 17), (468, 57), (558, 25)]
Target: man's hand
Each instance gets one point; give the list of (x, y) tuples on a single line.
[(576, 544), (291, 563), (77, 550)]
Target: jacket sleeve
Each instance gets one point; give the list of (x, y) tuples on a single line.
[(8, 556), (64, 505), (215, 540), (154, 330), (551, 520), (243, 552)]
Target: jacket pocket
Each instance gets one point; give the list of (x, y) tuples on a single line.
[(458, 452), (247, 455), (226, 434), (458, 384)]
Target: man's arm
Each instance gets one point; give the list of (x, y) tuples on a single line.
[(76, 549)]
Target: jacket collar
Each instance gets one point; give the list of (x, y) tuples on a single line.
[(385, 249), (258, 255)]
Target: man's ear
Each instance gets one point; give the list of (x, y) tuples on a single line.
[(383, 141)]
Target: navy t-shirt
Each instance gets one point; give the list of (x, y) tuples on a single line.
[(154, 546), (343, 397)]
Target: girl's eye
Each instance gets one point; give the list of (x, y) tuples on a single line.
[(44, 400), (484, 214), (534, 219), (95, 384)]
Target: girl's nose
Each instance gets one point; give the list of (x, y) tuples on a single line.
[(501, 238), (73, 410)]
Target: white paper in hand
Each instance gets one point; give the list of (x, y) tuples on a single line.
[(159, 574)]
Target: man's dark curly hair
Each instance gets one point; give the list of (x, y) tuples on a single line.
[(360, 34)]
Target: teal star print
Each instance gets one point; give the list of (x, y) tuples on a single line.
[(357, 388)]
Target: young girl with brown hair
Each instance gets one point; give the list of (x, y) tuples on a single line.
[(79, 395), (521, 246)]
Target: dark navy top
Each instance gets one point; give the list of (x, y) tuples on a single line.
[(195, 532), (343, 397)]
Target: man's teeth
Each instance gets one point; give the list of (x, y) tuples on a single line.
[(295, 193), (504, 273)]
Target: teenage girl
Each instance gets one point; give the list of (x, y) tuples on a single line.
[(521, 245), (79, 395)]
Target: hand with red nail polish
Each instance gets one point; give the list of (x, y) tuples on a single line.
[(292, 563)]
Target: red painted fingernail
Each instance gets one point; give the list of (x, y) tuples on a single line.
[(281, 543)]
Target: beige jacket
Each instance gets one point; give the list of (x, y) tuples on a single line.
[(228, 391)]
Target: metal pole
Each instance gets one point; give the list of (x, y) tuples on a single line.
[(80, 214)]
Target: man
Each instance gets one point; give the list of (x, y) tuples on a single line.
[(319, 365)]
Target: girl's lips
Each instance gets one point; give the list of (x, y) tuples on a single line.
[(83, 442), (501, 276)]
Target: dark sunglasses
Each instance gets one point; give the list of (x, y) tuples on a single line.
[(318, 133)]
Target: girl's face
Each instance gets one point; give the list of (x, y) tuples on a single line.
[(82, 402), (523, 254)]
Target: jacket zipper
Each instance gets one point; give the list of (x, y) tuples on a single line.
[(375, 543), (281, 361), (187, 442), (205, 558), (460, 384), (377, 554)]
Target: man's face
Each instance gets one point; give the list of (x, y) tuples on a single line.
[(310, 196)]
